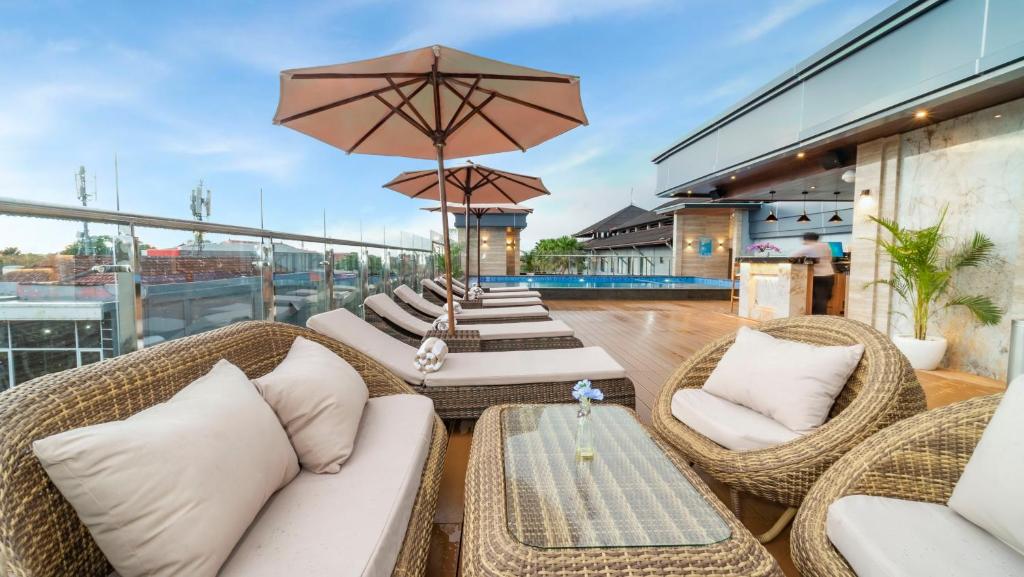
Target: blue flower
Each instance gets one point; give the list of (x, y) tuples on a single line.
[(584, 390)]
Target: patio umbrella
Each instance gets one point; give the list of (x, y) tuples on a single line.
[(430, 103), (469, 183), (479, 211)]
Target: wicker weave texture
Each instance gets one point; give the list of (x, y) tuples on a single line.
[(40, 534), (469, 401), (882, 390), (918, 459), (488, 550)]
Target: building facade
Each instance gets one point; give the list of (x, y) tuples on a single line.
[(916, 112), (631, 241), (499, 247)]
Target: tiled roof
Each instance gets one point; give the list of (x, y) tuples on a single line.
[(613, 221), (651, 236)]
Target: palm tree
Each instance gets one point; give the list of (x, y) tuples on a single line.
[(923, 271)]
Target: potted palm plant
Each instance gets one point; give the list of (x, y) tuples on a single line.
[(925, 262)]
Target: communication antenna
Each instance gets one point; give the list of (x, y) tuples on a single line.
[(86, 245), (200, 205)]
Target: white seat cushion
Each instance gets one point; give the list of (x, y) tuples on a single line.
[(732, 426), (389, 310), (529, 330), (421, 304), (319, 398), (510, 294), (990, 493), (520, 367), (882, 537), (347, 328), (522, 312), (352, 522), (512, 302), (793, 383), (171, 489)]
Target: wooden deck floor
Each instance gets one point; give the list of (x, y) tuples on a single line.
[(650, 339)]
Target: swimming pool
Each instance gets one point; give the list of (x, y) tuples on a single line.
[(609, 286)]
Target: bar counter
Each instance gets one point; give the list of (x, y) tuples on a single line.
[(774, 287)]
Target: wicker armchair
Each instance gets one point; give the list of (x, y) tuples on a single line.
[(882, 390), (40, 534), (919, 459)]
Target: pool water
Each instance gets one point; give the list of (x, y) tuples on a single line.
[(606, 282)]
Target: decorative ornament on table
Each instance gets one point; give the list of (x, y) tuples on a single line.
[(763, 248), (583, 392)]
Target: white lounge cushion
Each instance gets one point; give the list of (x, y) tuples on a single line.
[(421, 304), (881, 537), (508, 289), (170, 490), (793, 383), (520, 367), (990, 493), (352, 522), (527, 330), (732, 426), (510, 294), (512, 302), (389, 309), (319, 398), (496, 312), (345, 327)]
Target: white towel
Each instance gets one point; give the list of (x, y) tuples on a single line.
[(425, 347), (458, 307), (474, 293), (441, 323), (433, 358)]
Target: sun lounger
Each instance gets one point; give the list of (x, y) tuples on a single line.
[(386, 315), (468, 383), (494, 289), (520, 293), (438, 295), (411, 301)]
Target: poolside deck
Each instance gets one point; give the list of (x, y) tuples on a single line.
[(650, 339)]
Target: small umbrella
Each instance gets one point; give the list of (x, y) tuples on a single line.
[(429, 103), (479, 211), (470, 183)]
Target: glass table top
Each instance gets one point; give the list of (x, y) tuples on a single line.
[(629, 495)]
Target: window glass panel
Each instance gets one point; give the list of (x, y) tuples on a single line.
[(5, 372), (299, 287), (347, 286), (43, 334), (31, 364), (89, 334), (89, 357)]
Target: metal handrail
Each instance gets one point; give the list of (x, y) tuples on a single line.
[(15, 207)]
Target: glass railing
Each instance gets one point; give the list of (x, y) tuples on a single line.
[(658, 263), (79, 285)]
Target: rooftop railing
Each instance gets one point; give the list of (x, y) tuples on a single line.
[(107, 292)]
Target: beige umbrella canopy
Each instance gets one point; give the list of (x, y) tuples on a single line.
[(479, 210), (430, 103), (468, 184)]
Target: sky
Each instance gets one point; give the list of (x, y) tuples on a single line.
[(182, 91)]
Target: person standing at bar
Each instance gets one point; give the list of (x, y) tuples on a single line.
[(824, 274)]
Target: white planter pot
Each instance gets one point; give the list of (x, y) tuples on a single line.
[(924, 355)]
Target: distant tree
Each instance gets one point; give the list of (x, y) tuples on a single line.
[(101, 245), (10, 251), (348, 261), (553, 255), (456, 260)]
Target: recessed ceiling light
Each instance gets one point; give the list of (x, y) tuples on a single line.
[(812, 188), (689, 192), (733, 177), (998, 116), (921, 114), (801, 154)]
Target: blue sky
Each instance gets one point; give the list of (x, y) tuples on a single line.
[(186, 90)]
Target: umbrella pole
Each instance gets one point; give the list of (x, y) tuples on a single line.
[(478, 275), (447, 241), (469, 199)]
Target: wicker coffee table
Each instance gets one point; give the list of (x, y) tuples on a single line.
[(635, 509)]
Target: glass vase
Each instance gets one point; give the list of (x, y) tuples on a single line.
[(584, 432)]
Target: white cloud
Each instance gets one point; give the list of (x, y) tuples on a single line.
[(778, 15), (458, 22)]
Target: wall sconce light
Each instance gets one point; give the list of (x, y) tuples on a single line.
[(865, 198), (689, 243), (721, 243)]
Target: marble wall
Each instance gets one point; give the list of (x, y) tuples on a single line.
[(974, 165)]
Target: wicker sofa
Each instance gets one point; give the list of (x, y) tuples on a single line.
[(919, 459), (40, 533), (881, 391)]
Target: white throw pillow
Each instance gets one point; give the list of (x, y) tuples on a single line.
[(793, 383), (990, 493), (170, 490), (319, 399)]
